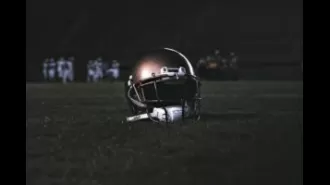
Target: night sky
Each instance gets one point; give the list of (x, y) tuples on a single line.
[(258, 30)]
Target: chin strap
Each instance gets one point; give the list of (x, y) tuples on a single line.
[(137, 117), (168, 114)]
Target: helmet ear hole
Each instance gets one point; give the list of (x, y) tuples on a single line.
[(164, 70), (182, 70)]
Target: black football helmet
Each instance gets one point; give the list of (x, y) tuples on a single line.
[(163, 87)]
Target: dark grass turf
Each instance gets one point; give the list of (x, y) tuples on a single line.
[(249, 133)]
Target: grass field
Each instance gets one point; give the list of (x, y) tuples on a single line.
[(249, 133)]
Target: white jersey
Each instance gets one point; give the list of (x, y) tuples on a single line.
[(71, 70), (91, 71), (59, 68), (70, 65), (98, 65), (52, 66), (52, 70), (66, 66), (44, 69), (99, 69), (115, 65), (114, 70), (59, 64), (66, 73)]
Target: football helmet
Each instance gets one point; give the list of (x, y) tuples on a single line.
[(163, 87)]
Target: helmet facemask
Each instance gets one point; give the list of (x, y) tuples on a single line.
[(173, 93)]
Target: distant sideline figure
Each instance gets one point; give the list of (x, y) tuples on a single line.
[(52, 69), (60, 62), (114, 70), (91, 71), (65, 71), (45, 69), (71, 70), (99, 68)]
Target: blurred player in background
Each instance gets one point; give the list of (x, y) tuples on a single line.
[(45, 69), (114, 70), (65, 71), (99, 68), (52, 69), (217, 55), (71, 69), (60, 62), (233, 66), (90, 71), (224, 63), (96, 71)]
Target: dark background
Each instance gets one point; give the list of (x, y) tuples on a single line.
[(249, 133), (261, 32)]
